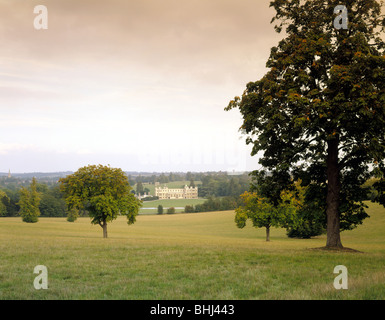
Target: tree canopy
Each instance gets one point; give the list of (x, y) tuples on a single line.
[(259, 210), (29, 203), (4, 199), (318, 114), (263, 212), (103, 191)]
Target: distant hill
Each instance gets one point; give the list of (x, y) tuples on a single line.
[(38, 175)]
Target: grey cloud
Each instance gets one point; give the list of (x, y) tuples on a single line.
[(206, 39)]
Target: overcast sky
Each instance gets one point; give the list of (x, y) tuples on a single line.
[(137, 84)]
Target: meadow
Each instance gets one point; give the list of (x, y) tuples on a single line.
[(151, 207), (186, 256)]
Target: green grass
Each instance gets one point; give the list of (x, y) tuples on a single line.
[(167, 203), (185, 256)]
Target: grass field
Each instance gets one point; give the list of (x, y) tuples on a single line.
[(167, 203), (185, 256)]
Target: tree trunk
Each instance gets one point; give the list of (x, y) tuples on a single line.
[(333, 196), (268, 233), (104, 226)]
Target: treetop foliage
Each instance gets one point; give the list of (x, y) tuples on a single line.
[(29, 203), (103, 191), (318, 114)]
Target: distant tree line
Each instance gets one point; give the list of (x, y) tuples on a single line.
[(150, 198), (221, 190), (161, 178), (140, 189), (178, 176), (210, 184), (215, 204), (223, 185), (51, 204)]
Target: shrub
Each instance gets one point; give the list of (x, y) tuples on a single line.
[(72, 215), (189, 209), (152, 198), (29, 203), (310, 224), (306, 230), (171, 210)]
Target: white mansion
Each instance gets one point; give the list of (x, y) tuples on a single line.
[(184, 193)]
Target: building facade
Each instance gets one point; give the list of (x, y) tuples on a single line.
[(184, 193)]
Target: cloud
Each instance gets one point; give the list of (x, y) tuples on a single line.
[(204, 39), (7, 148), (108, 78)]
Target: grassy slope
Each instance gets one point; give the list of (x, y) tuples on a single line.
[(185, 256)]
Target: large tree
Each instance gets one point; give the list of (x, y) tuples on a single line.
[(319, 112), (103, 191)]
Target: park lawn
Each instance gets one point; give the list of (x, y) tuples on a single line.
[(167, 203), (186, 256)]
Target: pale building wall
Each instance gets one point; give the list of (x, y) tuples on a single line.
[(184, 193)]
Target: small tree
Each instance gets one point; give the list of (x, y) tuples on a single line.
[(160, 209), (260, 211), (103, 191), (379, 187), (3, 200), (72, 215), (139, 188), (146, 191), (189, 209), (303, 219), (304, 210), (171, 210), (29, 203)]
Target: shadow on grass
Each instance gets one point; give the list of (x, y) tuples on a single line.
[(334, 249)]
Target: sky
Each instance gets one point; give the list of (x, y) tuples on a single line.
[(139, 85)]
